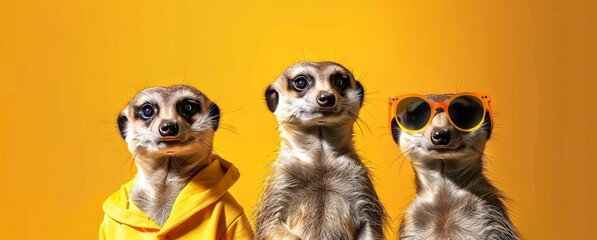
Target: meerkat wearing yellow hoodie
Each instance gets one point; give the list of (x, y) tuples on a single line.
[(181, 188)]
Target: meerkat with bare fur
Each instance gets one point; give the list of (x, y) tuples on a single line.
[(318, 187), (180, 187), (444, 137)]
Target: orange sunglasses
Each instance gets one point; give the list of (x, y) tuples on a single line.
[(413, 112)]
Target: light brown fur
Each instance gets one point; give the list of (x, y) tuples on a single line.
[(318, 187), (166, 164), (455, 200)]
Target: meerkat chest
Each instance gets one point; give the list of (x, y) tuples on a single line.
[(446, 212), (324, 190), (339, 177), (156, 200)]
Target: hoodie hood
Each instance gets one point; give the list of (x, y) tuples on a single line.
[(204, 189)]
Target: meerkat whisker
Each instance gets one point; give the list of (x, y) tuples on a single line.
[(130, 157), (229, 128), (403, 153), (357, 119), (403, 156), (207, 147)]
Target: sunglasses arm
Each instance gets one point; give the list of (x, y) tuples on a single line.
[(390, 115), (490, 112)]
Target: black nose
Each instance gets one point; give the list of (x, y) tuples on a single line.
[(169, 129), (326, 100), (440, 137)]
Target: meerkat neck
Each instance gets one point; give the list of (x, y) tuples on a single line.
[(154, 174), (309, 143), (464, 174), (467, 176), (159, 181)]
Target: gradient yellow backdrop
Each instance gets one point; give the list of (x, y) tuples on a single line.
[(68, 67)]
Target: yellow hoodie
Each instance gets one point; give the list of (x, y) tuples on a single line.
[(203, 210)]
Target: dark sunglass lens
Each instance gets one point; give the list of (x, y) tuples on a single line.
[(466, 112), (413, 113)]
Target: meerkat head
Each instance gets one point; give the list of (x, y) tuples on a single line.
[(177, 121), (440, 139), (315, 93)]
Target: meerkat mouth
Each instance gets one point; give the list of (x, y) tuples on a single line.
[(327, 115), (177, 141), (440, 150), (329, 112)]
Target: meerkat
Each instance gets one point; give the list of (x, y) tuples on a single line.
[(444, 137), (171, 140), (170, 131), (318, 187)]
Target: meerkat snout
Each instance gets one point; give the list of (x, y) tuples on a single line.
[(326, 99), (441, 137), (169, 129), (441, 129)]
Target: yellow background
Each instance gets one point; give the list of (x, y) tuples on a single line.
[(68, 67)]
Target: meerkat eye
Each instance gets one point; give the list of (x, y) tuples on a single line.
[(300, 83), (188, 108), (146, 111), (341, 81)]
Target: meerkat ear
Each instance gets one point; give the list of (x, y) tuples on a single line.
[(271, 98), (122, 120), (396, 131), (214, 113), (361, 92)]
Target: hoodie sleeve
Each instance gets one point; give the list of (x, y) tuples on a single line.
[(240, 228)]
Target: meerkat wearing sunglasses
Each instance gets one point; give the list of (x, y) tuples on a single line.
[(444, 136), (318, 187)]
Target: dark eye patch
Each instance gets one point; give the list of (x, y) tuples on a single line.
[(188, 108), (340, 81)]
